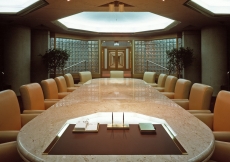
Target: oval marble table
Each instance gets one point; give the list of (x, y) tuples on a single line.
[(115, 95)]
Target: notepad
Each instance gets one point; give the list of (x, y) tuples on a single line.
[(86, 127), (80, 126), (147, 127)]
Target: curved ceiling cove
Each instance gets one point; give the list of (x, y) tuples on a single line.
[(116, 22)]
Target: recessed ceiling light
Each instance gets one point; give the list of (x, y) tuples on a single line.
[(210, 7), (116, 22), (14, 6)]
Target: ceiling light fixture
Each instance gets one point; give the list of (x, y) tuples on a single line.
[(116, 22), (20, 7), (210, 7)]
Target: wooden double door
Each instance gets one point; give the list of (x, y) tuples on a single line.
[(116, 59)]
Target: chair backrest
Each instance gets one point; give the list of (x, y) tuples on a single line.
[(116, 74), (182, 89), (149, 77), (9, 111), (200, 97), (170, 83), (161, 80), (85, 76), (61, 84), (69, 80), (32, 97), (50, 89), (221, 119)]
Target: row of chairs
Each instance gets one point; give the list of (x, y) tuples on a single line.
[(38, 97), (35, 100), (191, 97), (196, 98)]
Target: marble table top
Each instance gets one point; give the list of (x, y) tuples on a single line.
[(115, 95)]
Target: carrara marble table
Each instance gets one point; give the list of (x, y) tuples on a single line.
[(115, 95)]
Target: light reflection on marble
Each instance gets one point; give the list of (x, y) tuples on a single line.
[(115, 95)]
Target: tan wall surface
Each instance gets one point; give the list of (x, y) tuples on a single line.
[(17, 57), (39, 45), (192, 39), (214, 57)]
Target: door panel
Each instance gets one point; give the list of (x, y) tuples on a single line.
[(116, 59)]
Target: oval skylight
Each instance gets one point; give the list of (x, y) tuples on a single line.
[(116, 22), (14, 6), (215, 6)]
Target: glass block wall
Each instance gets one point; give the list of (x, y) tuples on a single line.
[(153, 51), (84, 51)]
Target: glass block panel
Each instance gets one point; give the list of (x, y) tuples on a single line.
[(153, 51), (84, 55)]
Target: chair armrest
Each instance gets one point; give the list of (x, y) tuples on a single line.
[(8, 136), (77, 85), (25, 118), (222, 136), (71, 89), (160, 89), (9, 152), (52, 100), (33, 111), (154, 85), (206, 118), (49, 103), (62, 94), (184, 103), (199, 111), (170, 95), (221, 152)]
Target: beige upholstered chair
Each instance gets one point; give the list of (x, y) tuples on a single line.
[(149, 77), (218, 121), (221, 152), (69, 80), (85, 76), (61, 84), (33, 98), (182, 90), (161, 81), (170, 84), (116, 74), (50, 90), (9, 152), (199, 98), (11, 122)]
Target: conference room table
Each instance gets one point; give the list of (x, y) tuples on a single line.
[(106, 95)]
